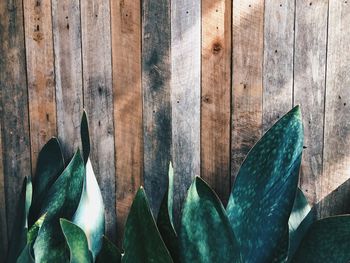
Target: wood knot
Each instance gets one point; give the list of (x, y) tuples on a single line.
[(207, 99), (217, 47)]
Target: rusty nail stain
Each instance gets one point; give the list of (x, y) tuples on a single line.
[(217, 47)]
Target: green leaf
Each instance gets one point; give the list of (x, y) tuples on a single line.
[(206, 234), (90, 213), (20, 226), (328, 240), (263, 194), (109, 252), (77, 242), (49, 166), (34, 230), (142, 241), (25, 256), (61, 201), (165, 219), (85, 138)]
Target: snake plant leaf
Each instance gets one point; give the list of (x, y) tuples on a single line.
[(165, 219), (142, 241), (77, 242), (20, 226), (263, 194), (61, 201), (109, 252), (26, 255), (90, 213), (49, 166), (206, 234), (328, 240), (34, 229), (85, 138)]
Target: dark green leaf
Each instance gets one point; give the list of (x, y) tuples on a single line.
[(165, 219), (108, 253), (20, 226), (85, 139), (25, 256), (263, 194), (206, 234), (49, 166), (142, 241), (328, 240), (90, 213), (77, 242), (60, 202)]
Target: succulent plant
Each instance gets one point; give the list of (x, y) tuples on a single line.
[(267, 218)]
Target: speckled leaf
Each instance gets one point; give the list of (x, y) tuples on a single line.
[(206, 234), (85, 138), (25, 256), (328, 240), (165, 219), (61, 201), (263, 194), (90, 213), (77, 242), (142, 241), (20, 226), (109, 252), (49, 166), (34, 229)]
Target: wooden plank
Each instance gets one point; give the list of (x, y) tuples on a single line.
[(278, 60), (247, 66), (98, 100), (185, 97), (215, 102), (68, 68), (3, 222), (15, 137), (126, 56), (157, 105), (336, 162), (40, 73), (309, 86)]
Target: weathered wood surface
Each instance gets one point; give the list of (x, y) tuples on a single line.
[(40, 73), (126, 57), (185, 95), (336, 159), (98, 100), (15, 140), (3, 222), (156, 96), (278, 60), (247, 89), (68, 71), (309, 87), (216, 102)]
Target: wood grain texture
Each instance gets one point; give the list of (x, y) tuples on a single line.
[(336, 162), (15, 138), (185, 97), (156, 68), (98, 100), (309, 87), (278, 60), (40, 73), (215, 98), (68, 70), (126, 55), (3, 222), (247, 66)]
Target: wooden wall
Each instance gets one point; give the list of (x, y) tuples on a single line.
[(195, 82)]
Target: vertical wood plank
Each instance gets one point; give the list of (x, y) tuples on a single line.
[(247, 66), (126, 55), (98, 100), (215, 99), (157, 106), (185, 97), (68, 70), (309, 86), (3, 223), (15, 138), (40, 73), (336, 162), (278, 60)]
